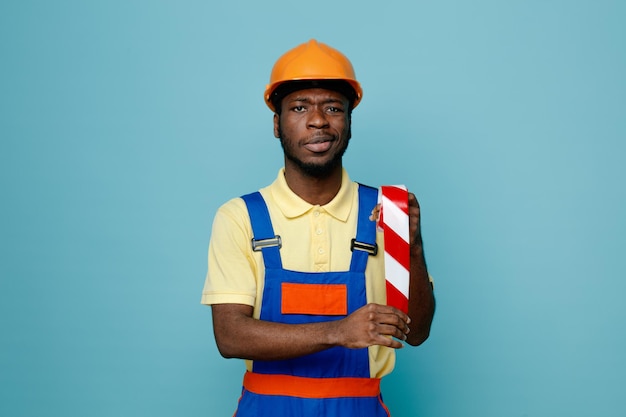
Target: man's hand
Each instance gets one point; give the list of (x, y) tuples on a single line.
[(415, 233), (373, 324)]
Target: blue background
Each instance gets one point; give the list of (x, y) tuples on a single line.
[(125, 124)]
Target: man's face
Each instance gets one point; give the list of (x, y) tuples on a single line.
[(314, 130)]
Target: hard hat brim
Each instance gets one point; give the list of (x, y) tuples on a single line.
[(305, 83)]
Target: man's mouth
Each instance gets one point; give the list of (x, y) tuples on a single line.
[(319, 145)]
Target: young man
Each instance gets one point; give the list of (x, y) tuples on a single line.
[(290, 290)]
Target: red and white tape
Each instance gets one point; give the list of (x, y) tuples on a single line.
[(393, 220)]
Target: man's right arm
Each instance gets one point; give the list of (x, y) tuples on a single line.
[(239, 335)]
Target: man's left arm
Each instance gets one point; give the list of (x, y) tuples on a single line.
[(421, 297)]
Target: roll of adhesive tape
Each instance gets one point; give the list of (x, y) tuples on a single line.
[(393, 220)]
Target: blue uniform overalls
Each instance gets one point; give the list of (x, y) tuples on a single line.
[(334, 382)]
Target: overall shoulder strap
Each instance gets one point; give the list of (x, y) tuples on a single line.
[(264, 239), (365, 242)]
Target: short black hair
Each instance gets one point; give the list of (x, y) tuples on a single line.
[(284, 89)]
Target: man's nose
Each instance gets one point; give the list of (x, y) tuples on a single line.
[(317, 119)]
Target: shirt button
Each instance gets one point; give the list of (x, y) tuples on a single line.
[(316, 213), (320, 250), (318, 231)]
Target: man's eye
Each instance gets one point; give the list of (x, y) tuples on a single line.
[(298, 109), (335, 109)]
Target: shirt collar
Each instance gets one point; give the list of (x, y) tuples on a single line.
[(291, 205)]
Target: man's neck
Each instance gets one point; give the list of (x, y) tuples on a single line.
[(314, 190)]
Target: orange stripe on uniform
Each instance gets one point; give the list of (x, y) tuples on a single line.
[(297, 386), (317, 299)]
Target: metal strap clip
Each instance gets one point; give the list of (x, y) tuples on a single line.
[(258, 244), (365, 247)]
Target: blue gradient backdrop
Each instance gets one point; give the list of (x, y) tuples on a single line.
[(125, 124)]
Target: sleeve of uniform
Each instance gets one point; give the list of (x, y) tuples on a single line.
[(231, 276)]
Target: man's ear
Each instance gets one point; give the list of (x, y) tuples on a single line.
[(276, 125)]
